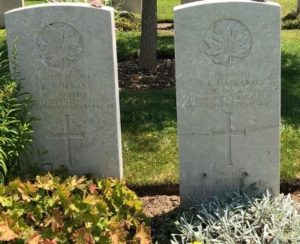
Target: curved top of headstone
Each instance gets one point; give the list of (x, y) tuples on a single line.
[(210, 2), (55, 5)]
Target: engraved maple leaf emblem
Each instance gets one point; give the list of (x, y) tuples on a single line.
[(59, 45), (227, 42)]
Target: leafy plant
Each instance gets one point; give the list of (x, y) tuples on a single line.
[(73, 211), (241, 218), (291, 21), (15, 129)]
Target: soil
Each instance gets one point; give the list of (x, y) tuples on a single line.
[(131, 76), (161, 203)]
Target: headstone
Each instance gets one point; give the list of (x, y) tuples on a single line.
[(6, 5), (67, 61), (228, 96), (134, 6)]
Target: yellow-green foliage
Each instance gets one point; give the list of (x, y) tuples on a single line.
[(75, 210)]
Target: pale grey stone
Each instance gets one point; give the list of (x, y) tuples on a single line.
[(228, 95), (6, 5), (66, 58)]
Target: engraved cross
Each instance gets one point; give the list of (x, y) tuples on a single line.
[(229, 133), (67, 135)]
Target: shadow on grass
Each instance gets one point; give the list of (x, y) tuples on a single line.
[(156, 189), (128, 45), (151, 110), (290, 88), (290, 186)]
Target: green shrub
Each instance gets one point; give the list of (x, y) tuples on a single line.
[(291, 21), (15, 129), (126, 21), (241, 218), (73, 211)]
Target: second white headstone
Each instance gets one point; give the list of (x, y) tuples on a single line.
[(228, 95)]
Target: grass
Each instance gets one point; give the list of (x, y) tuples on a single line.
[(165, 10), (28, 3), (149, 136), (149, 125), (290, 130), (287, 6), (128, 45), (149, 117), (165, 7)]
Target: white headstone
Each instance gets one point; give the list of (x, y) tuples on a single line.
[(228, 95), (6, 5), (66, 58)]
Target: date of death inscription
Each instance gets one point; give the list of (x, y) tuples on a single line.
[(71, 92)]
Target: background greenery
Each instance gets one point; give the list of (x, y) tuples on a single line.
[(149, 116)]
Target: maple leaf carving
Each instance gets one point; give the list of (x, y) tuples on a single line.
[(228, 42), (59, 45)]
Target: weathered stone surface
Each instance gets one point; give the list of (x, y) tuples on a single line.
[(134, 6), (228, 95), (6, 5), (66, 58)]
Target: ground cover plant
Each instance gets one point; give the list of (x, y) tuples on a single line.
[(75, 210), (245, 217), (149, 116)]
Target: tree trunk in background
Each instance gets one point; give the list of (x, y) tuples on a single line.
[(298, 6), (148, 53)]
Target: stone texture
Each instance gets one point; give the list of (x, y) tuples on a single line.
[(67, 61), (134, 6), (228, 95), (6, 5)]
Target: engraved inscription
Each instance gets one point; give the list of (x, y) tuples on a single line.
[(227, 42), (229, 132), (67, 135), (60, 91), (59, 45), (230, 90)]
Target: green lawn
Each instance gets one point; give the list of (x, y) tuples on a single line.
[(149, 117), (290, 136), (128, 44), (165, 7), (28, 3), (149, 125), (149, 136)]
